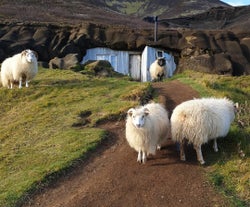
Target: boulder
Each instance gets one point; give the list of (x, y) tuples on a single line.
[(217, 64), (56, 63), (222, 64), (70, 61)]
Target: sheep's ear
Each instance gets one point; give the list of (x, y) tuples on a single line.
[(146, 111), (130, 112), (23, 53)]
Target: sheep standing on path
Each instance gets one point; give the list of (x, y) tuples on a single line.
[(147, 127), (201, 120), (158, 69), (18, 68)]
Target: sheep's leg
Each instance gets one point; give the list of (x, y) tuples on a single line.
[(161, 77), (182, 151), (139, 157), (20, 83), (215, 145), (144, 157), (27, 84), (199, 154)]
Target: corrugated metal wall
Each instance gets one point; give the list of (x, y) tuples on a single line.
[(148, 57), (118, 59), (171, 66)]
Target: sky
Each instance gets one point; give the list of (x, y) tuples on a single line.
[(237, 2)]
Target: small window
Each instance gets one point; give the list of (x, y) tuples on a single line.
[(159, 54)]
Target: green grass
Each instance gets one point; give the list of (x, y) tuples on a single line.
[(47, 127), (229, 169), (134, 8)]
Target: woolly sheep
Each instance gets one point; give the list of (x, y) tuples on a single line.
[(158, 69), (147, 127), (20, 67), (201, 120)]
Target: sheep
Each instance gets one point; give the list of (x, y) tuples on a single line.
[(201, 120), (147, 127), (20, 67), (158, 69)]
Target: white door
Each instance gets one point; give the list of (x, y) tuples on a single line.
[(135, 66)]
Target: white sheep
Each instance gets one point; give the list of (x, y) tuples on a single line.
[(20, 67), (158, 69), (147, 127), (201, 120)]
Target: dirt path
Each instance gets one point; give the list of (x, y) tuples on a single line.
[(111, 177)]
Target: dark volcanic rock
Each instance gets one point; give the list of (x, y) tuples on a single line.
[(217, 64), (57, 41), (199, 50), (215, 51)]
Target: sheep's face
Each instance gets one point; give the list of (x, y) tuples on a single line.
[(138, 116), (161, 61), (30, 56)]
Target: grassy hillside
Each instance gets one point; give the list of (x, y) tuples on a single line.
[(46, 128), (166, 9)]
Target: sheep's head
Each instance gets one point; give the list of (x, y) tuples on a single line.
[(30, 55), (161, 61), (138, 116)]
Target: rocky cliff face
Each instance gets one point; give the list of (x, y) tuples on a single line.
[(222, 52), (218, 48)]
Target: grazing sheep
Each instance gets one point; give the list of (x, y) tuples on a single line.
[(20, 67), (201, 120), (158, 69), (147, 127)]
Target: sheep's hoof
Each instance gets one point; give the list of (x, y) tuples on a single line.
[(202, 162), (183, 158), (141, 161)]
